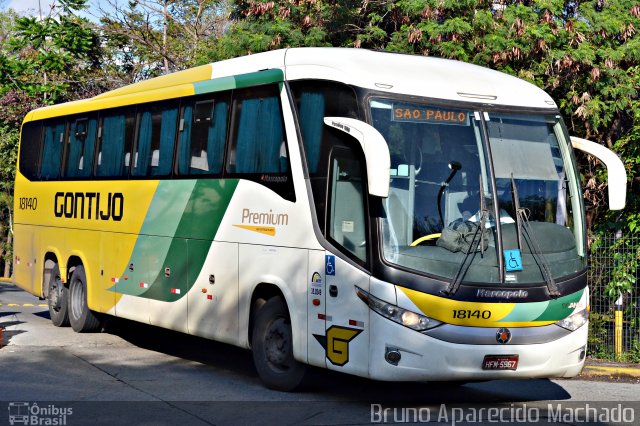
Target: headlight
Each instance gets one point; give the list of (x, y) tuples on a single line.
[(397, 314), (575, 320)]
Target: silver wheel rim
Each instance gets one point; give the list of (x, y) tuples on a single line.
[(77, 299)]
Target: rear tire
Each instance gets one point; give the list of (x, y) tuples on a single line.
[(57, 299), (272, 345), (81, 317)]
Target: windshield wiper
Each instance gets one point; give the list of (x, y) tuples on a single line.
[(522, 221), (473, 246)]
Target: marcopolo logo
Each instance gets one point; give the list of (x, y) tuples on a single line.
[(501, 294), (25, 413)]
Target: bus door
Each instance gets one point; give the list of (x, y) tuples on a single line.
[(347, 339)]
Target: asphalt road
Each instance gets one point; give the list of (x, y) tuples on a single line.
[(136, 374)]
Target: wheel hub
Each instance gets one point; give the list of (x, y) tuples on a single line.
[(277, 343), (54, 296)]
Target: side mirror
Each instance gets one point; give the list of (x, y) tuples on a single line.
[(376, 151), (617, 175)]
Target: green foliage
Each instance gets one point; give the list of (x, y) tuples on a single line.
[(585, 54), (149, 38), (9, 138), (9, 148), (599, 344), (615, 266), (623, 278), (48, 57)]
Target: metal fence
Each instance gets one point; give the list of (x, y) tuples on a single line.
[(614, 271)]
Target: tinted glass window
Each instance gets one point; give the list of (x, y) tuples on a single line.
[(30, 146), (259, 145), (203, 135), (81, 148), (347, 225), (115, 136), (53, 144), (258, 150), (316, 100), (157, 127)]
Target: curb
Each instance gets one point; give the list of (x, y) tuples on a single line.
[(602, 370)]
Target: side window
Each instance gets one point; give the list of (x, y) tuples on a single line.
[(53, 144), (203, 134), (157, 125), (114, 143), (30, 147), (258, 150), (347, 226), (81, 147), (316, 99)]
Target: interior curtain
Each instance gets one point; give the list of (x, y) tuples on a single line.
[(311, 125), (271, 134), (217, 137), (249, 127), (89, 149), (184, 155), (52, 152), (80, 157), (112, 149), (75, 154), (167, 139), (141, 161)]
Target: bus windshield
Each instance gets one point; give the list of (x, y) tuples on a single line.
[(439, 218)]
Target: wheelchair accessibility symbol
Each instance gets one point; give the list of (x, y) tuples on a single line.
[(330, 265), (512, 260)]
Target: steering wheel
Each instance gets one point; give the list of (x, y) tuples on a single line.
[(426, 238)]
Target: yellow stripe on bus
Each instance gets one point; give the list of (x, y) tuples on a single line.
[(472, 314), (98, 104)]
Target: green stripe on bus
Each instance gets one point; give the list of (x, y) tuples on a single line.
[(525, 312), (215, 85), (185, 252), (239, 81), (168, 205), (561, 307), (260, 77)]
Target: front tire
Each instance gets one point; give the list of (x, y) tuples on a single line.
[(81, 317), (272, 345), (57, 299)]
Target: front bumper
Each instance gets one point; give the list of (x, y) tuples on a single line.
[(424, 358)]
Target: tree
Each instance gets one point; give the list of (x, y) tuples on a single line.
[(161, 36), (43, 60), (585, 54), (51, 57)]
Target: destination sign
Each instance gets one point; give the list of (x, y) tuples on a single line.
[(426, 114)]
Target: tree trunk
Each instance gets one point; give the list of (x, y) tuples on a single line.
[(165, 18)]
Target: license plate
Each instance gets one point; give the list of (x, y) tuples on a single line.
[(500, 362)]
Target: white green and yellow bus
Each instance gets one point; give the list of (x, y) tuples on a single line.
[(390, 216)]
